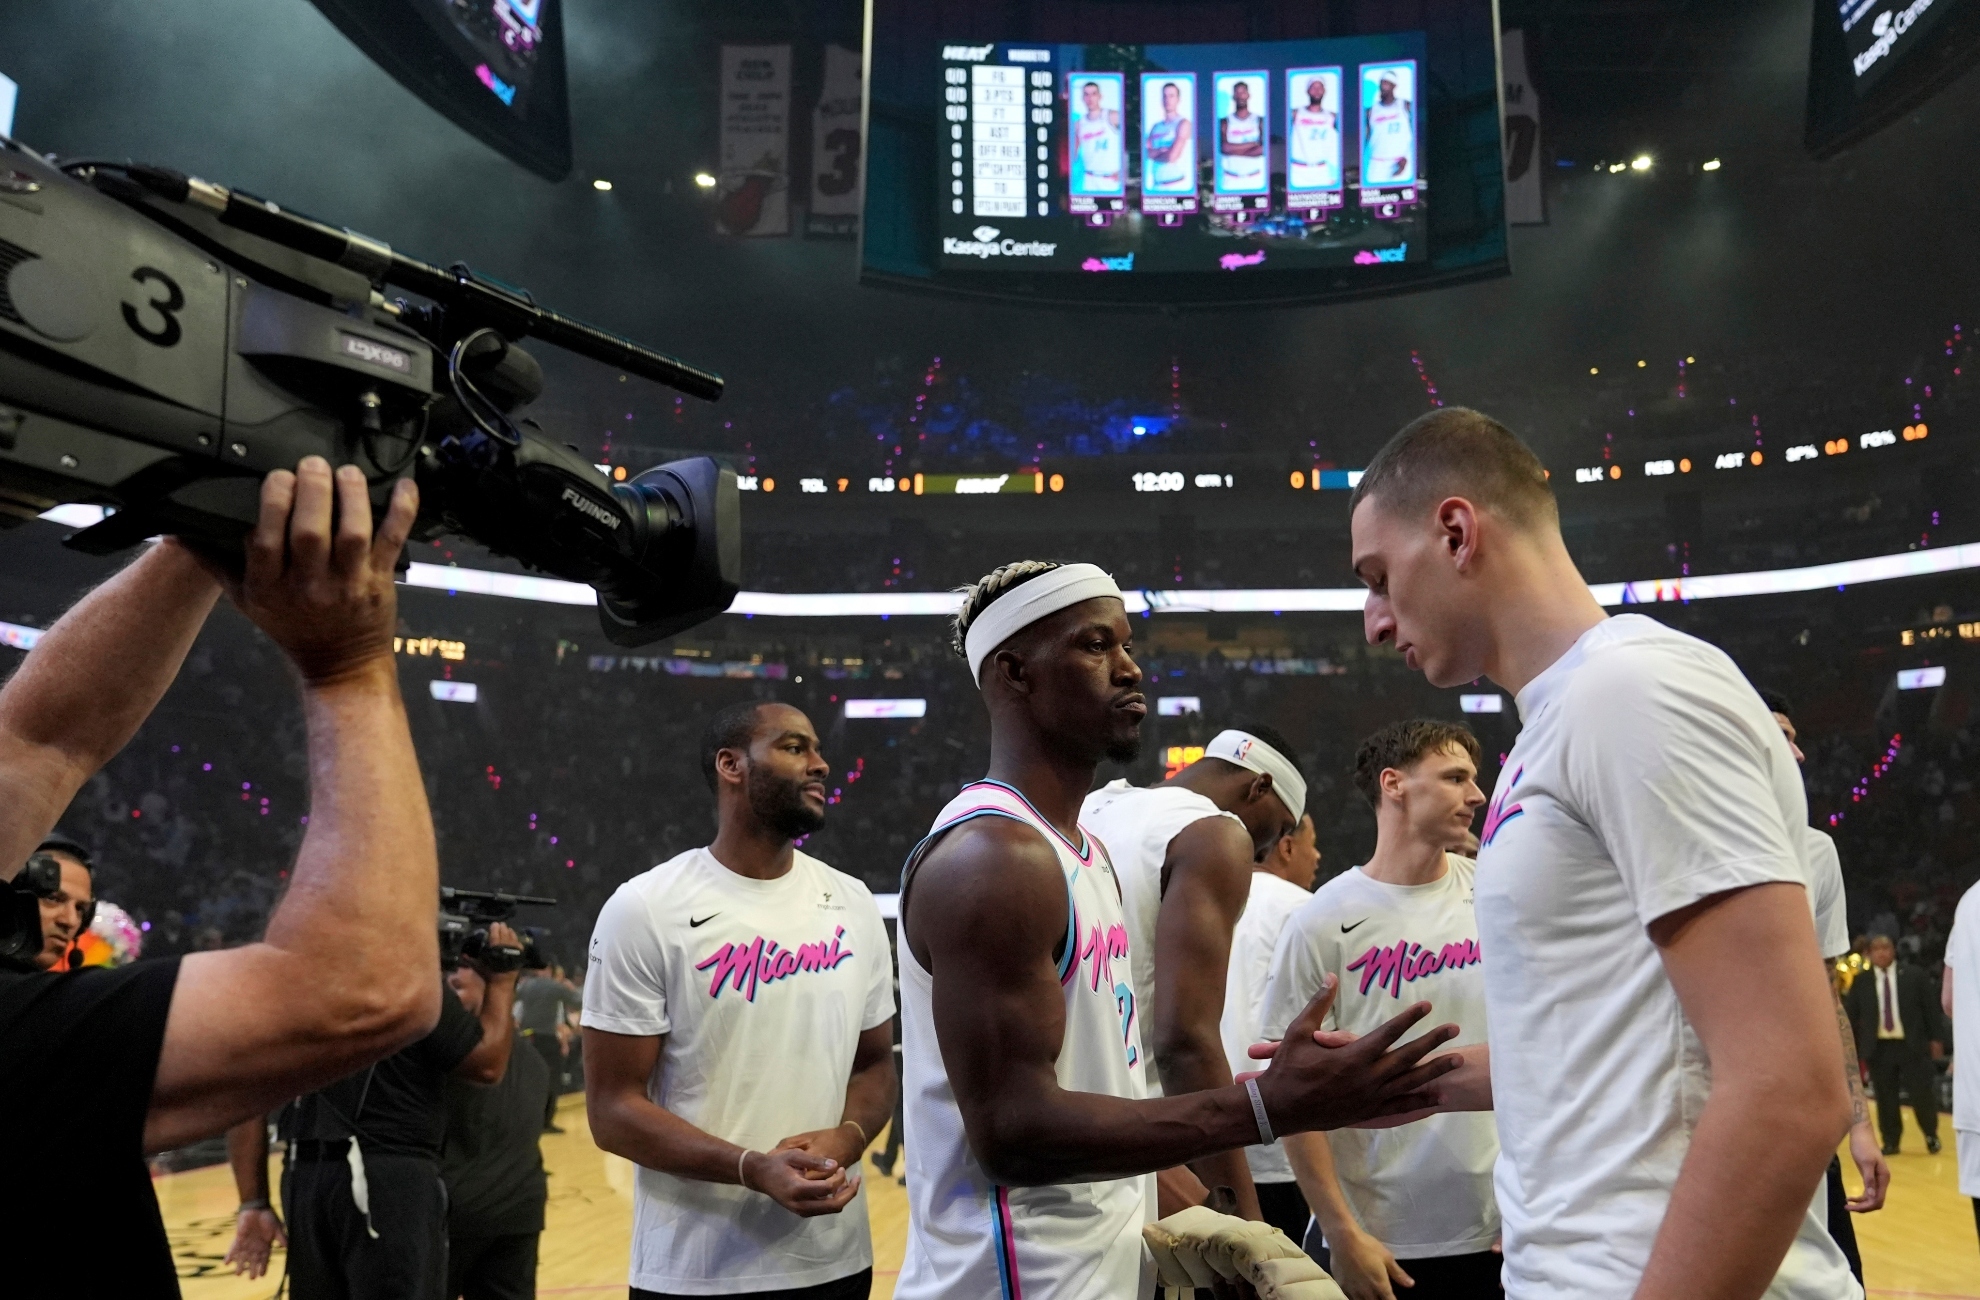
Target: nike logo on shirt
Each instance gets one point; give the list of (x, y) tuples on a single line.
[(692, 923), (1347, 929)]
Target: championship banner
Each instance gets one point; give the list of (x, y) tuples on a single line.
[(754, 183), (1526, 201), (835, 148)]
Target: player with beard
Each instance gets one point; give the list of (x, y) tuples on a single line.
[(1662, 1044), (1029, 1139), (737, 1036)]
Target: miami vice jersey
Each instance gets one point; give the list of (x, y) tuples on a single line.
[(969, 1238), (1391, 138), (1100, 153), (1174, 175), (1243, 171), (1314, 150)]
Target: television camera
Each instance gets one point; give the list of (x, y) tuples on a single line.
[(465, 915), (165, 342)]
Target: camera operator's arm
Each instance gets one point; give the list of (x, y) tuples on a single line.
[(82, 691), (490, 1058), (346, 974), (257, 1228)]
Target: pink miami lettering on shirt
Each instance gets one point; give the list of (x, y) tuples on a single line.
[(1098, 953), (1496, 812), (1403, 963), (746, 966)]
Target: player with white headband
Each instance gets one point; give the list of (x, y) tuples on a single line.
[(1183, 852), (1027, 1130)]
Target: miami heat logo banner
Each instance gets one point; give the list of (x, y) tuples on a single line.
[(754, 184)]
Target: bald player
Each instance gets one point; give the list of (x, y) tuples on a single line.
[(1028, 1131), (1183, 852), (1662, 1044)]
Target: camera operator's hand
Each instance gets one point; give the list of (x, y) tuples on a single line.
[(316, 580), (805, 1184), (502, 959), (256, 1232)]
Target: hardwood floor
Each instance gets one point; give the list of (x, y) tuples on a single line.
[(1922, 1245)]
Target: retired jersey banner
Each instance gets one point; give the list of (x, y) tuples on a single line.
[(1526, 201), (754, 185), (835, 148)]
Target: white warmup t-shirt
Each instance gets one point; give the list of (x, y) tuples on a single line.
[(970, 1238), (1424, 1190), (762, 988), (1963, 957), (1136, 825), (1254, 940), (1648, 775), (1826, 894)]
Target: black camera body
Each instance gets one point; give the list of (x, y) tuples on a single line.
[(20, 910), (465, 915), (166, 342)]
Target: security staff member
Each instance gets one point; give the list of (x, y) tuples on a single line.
[(493, 1170), (367, 1210), (1897, 1020)]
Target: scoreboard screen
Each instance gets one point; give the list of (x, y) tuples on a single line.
[(1210, 159)]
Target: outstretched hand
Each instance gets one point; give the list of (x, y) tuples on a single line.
[(1317, 1081), (317, 580)]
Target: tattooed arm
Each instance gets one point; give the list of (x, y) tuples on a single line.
[(1863, 1145)]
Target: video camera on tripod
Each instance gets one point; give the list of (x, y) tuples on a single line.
[(465, 915), (165, 342)]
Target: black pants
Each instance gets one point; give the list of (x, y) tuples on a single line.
[(856, 1287), (492, 1268), (1895, 1063), (332, 1257), (1840, 1226), (547, 1047), (1444, 1277), (1285, 1209)]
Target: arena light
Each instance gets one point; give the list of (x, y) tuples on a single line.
[(1640, 163), (1921, 679), (1482, 703), (858, 709), (602, 185), (1710, 165)]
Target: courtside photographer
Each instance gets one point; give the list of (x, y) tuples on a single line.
[(158, 1054)]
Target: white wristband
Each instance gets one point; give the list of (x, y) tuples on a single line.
[(1265, 1137), (740, 1180)]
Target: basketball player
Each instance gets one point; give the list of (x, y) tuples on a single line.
[(1021, 1047), (1409, 1210), (1389, 127), (1314, 152), (1664, 1042), (1960, 999), (1281, 880), (738, 1042), (1826, 894), (1097, 138), (1241, 143), (1182, 852), (1172, 146)]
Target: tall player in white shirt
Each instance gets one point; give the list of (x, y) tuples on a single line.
[(1388, 134), (1663, 1046), (1099, 143), (1021, 1052), (1409, 1210), (1281, 880), (1959, 996), (738, 1040), (1313, 153), (1183, 852)]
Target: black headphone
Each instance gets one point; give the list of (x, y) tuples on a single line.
[(61, 843)]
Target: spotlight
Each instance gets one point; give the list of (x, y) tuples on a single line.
[(1640, 163), (1710, 165), (601, 185), (704, 180)]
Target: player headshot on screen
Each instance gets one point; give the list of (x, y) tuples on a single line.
[(1388, 130), (1313, 144), (1241, 144), (1171, 144), (1099, 154)]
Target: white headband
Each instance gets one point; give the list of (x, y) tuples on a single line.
[(1029, 601), (1254, 755)]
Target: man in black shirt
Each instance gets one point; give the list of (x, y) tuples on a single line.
[(494, 1171), (162, 1053), (367, 1211), (543, 1000)]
